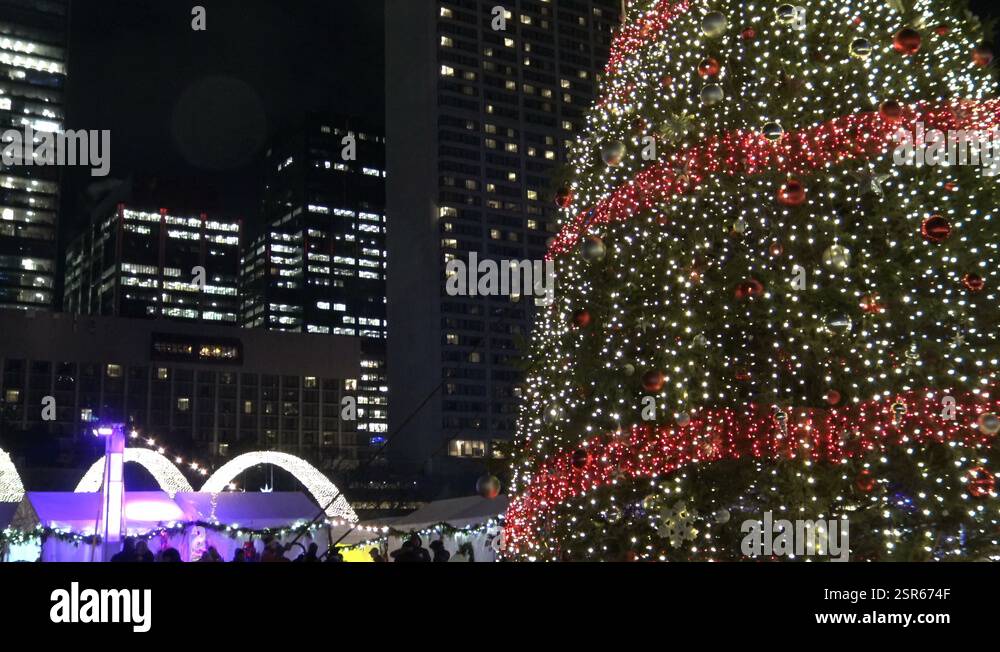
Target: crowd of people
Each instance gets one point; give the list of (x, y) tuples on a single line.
[(413, 550), (137, 551)]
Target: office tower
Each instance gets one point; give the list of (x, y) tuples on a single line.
[(318, 265), (145, 264), (32, 86), (478, 120)]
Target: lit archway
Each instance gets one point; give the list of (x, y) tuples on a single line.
[(11, 487), (322, 490), (166, 474)]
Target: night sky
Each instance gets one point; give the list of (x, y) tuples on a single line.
[(190, 110)]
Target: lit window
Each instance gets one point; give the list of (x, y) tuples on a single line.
[(162, 373), (86, 415), (466, 448), (114, 371), (13, 395), (183, 404), (247, 407), (311, 382)]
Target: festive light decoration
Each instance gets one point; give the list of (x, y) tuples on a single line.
[(11, 488), (182, 462), (167, 475), (318, 485), (863, 136), (775, 255)]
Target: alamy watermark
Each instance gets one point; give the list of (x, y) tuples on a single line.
[(76, 605), (799, 538), (948, 148), (33, 147), (513, 278)]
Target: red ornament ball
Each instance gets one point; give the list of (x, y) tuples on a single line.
[(973, 282), (906, 41), (833, 397), (709, 67), (981, 482), (982, 55), (582, 318), (749, 288), (891, 110), (748, 34), (865, 482), (942, 30), (793, 193), (951, 186), (581, 458), (564, 198), (935, 229), (653, 381), (667, 81), (776, 249), (872, 304)]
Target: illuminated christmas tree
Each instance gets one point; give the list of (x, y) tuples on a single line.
[(774, 297)]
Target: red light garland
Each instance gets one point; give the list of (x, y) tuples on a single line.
[(726, 434), (857, 136)]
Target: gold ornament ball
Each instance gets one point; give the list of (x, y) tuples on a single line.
[(773, 131), (785, 14), (837, 258), (861, 48), (989, 423)]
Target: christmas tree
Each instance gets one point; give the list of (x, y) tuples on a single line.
[(777, 294)]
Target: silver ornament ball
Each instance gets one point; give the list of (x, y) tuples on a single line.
[(714, 24), (613, 154), (712, 95)]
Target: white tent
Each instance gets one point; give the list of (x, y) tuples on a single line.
[(474, 515), (193, 521)]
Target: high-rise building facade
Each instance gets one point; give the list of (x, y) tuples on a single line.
[(480, 113), (210, 390), (32, 86), (319, 264), (148, 265)]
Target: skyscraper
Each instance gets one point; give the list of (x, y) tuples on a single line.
[(32, 86), (318, 265), (480, 113), (142, 264)]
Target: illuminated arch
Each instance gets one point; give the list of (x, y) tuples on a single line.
[(312, 478), (166, 474), (11, 488)]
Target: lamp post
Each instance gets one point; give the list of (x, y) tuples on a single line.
[(111, 525)]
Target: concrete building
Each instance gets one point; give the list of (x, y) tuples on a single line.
[(209, 390)]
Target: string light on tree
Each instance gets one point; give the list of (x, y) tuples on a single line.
[(785, 292)]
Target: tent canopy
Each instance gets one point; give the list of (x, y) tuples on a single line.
[(148, 510), (254, 511), (457, 512)]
